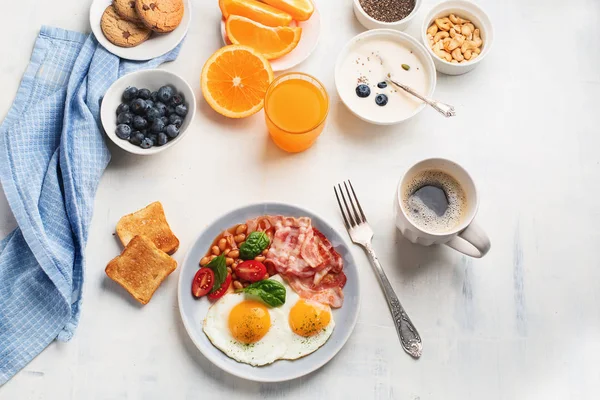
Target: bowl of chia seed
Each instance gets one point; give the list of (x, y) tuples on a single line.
[(389, 14)]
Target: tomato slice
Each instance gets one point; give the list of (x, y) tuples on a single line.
[(203, 282), (251, 271), (217, 294)]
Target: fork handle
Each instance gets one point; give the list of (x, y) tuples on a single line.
[(409, 337)]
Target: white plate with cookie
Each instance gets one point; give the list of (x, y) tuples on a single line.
[(121, 31)]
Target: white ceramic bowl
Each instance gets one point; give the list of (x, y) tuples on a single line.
[(151, 79), (371, 23), (467, 10), (405, 40), (157, 45)]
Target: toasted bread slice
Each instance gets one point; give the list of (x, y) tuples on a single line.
[(141, 268), (152, 223)]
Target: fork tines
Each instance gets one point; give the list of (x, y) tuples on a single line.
[(352, 216)]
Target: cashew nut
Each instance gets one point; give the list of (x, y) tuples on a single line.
[(444, 24), (432, 30), (437, 46), (466, 30), (440, 35), (444, 55), (474, 55), (457, 55), (476, 38), (454, 61), (454, 43), (457, 20), (476, 50), (446, 43), (452, 32), (468, 45), (467, 54)]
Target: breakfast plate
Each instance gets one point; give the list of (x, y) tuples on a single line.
[(193, 311), (311, 29), (157, 45)]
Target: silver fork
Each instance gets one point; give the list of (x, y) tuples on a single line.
[(361, 234)]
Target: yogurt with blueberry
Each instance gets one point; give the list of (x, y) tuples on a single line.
[(362, 80)]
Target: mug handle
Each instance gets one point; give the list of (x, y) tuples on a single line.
[(473, 241)]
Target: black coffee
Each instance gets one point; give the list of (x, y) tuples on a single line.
[(434, 201)]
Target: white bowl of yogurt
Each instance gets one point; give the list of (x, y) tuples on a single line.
[(367, 59)]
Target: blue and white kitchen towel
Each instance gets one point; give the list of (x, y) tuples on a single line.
[(52, 155)]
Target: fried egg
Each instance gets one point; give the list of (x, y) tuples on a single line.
[(249, 331), (245, 329)]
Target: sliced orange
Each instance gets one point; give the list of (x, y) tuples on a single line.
[(270, 42), (234, 81), (255, 10), (300, 10)]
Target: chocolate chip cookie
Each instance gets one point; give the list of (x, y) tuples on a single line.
[(120, 32), (126, 9), (160, 15)]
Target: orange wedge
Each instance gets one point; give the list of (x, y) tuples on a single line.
[(255, 10), (234, 81), (300, 10), (270, 42)]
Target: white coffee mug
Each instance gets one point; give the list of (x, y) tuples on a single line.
[(467, 238)]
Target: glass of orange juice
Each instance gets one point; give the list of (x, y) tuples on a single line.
[(296, 106)]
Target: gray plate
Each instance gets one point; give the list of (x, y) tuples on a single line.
[(193, 311)]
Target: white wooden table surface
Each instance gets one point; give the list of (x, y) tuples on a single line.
[(522, 323)]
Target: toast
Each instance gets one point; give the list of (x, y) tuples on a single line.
[(152, 223), (141, 268)]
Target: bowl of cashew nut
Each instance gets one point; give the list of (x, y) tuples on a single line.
[(458, 34)]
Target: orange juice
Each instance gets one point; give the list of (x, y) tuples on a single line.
[(296, 107)]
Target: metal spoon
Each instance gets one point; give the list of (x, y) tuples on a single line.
[(445, 109)]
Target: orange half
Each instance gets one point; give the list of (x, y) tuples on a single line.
[(270, 42), (255, 10), (234, 81)]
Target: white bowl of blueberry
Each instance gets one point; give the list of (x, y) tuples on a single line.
[(148, 111)]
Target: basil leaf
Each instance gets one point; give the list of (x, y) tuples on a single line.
[(255, 243), (219, 267), (269, 291)]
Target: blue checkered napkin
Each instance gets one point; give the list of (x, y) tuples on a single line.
[(52, 155)]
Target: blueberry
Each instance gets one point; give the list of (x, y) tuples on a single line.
[(152, 114), (165, 93), (139, 122), (130, 93), (170, 110), (161, 107), (144, 94), (176, 100), (162, 139), (153, 137), (165, 120), (136, 138), (381, 100), (146, 143), (172, 131), (363, 91), (382, 85), (157, 126), (176, 120), (123, 108), (138, 106), (149, 104), (154, 96), (181, 110), (123, 131), (124, 118)]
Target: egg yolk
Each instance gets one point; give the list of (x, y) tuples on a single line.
[(308, 319), (249, 321)]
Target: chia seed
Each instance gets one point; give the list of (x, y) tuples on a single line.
[(388, 10)]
